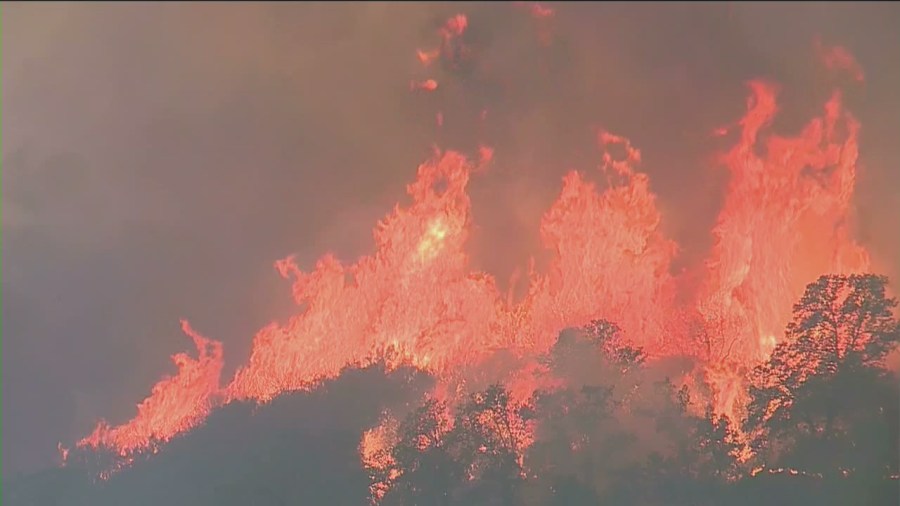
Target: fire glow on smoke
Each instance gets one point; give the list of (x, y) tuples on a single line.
[(416, 301)]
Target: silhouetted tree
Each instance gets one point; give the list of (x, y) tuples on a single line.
[(823, 405), (695, 468), (579, 440), (822, 421), (428, 469), (490, 434), (472, 460)]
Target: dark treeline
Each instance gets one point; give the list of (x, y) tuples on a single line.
[(821, 427), (301, 448)]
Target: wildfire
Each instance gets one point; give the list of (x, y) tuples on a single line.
[(426, 85), (416, 300), (175, 404), (430, 245)]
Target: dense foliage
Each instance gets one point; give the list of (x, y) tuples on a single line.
[(821, 427)]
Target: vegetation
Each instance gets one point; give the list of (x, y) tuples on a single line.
[(822, 424), (821, 428)]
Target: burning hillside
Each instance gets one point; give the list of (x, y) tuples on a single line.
[(416, 300)]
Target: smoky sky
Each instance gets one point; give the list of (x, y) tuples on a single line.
[(158, 157)]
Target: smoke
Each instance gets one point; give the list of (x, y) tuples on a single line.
[(157, 158)]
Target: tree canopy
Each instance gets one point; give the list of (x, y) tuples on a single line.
[(822, 427)]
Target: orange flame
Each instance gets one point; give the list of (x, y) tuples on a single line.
[(540, 11), (426, 85), (415, 300), (455, 26), (428, 57), (838, 59), (175, 404)]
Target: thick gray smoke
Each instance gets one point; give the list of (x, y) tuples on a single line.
[(157, 158)]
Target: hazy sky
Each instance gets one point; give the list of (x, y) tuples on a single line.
[(157, 158)]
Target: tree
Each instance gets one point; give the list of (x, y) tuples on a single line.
[(696, 468), (824, 404), (579, 440), (471, 458), (490, 434), (424, 459)]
